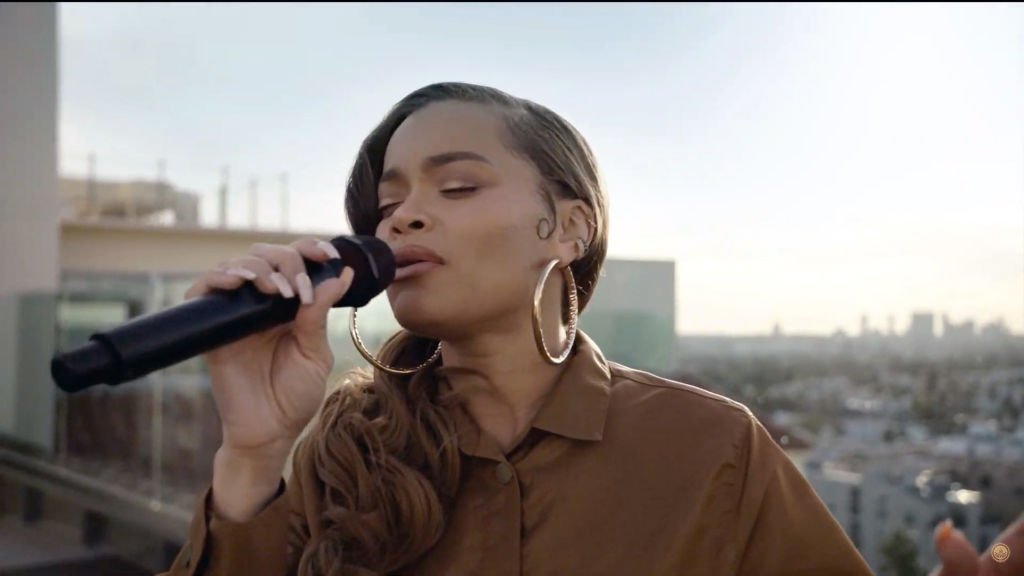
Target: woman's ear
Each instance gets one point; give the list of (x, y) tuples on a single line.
[(575, 230)]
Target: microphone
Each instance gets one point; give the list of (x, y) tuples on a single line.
[(155, 341)]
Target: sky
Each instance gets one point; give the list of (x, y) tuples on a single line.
[(803, 165)]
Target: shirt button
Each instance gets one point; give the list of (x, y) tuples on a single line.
[(503, 472)]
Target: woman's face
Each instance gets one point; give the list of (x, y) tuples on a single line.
[(450, 185)]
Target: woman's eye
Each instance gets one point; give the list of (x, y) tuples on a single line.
[(388, 209), (460, 189)]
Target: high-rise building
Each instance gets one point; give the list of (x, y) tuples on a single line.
[(632, 313), (922, 326)]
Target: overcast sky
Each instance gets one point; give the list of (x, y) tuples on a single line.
[(801, 164)]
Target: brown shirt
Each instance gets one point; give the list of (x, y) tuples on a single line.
[(623, 472)]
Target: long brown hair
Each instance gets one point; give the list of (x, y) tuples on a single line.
[(384, 446)]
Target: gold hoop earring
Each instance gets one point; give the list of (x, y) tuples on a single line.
[(353, 330), (538, 333)]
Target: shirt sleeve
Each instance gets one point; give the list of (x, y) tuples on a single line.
[(268, 544), (783, 527)]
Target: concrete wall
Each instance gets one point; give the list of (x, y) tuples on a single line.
[(29, 227), (111, 246)]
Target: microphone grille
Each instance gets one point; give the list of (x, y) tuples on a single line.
[(373, 263)]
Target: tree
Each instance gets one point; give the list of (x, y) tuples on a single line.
[(899, 555)]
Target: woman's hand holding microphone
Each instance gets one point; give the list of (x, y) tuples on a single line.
[(268, 386)]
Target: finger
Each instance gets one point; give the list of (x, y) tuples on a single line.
[(310, 327), (315, 249), (290, 261), (1005, 555), (957, 555), (218, 278), (223, 276), (289, 264), (267, 280)]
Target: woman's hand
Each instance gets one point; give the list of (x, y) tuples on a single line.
[(269, 385), (1005, 556)]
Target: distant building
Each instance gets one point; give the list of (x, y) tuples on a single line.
[(135, 201), (992, 461), (954, 331), (797, 443), (997, 394), (632, 313), (891, 494), (995, 330), (922, 326), (916, 500), (840, 490)]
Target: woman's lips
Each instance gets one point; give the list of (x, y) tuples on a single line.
[(417, 269)]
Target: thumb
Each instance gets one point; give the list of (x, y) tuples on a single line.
[(957, 555), (310, 328)]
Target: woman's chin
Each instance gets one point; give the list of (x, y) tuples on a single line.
[(425, 315), (416, 319)]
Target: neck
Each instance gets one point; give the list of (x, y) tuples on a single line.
[(507, 380)]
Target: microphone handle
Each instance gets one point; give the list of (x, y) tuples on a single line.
[(165, 338), (158, 340)]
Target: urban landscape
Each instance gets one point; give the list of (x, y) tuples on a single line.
[(787, 160), (897, 430)]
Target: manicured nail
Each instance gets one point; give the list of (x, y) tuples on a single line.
[(243, 272), (305, 287), (282, 285), (943, 530), (328, 249)]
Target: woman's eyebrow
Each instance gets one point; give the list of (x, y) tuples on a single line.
[(434, 162)]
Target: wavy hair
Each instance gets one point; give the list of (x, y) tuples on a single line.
[(385, 446)]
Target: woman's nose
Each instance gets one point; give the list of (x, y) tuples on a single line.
[(409, 216)]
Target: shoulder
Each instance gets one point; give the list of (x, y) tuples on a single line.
[(640, 387), (650, 402)]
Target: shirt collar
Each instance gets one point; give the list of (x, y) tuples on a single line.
[(576, 407)]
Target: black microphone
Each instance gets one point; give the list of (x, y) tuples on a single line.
[(154, 341)]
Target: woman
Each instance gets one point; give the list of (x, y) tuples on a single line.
[(510, 446)]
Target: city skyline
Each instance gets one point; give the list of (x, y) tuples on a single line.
[(802, 165)]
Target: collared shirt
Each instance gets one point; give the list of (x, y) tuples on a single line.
[(622, 472)]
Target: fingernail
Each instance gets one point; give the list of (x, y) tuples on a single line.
[(305, 287), (282, 285), (943, 530), (243, 272), (328, 249)]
